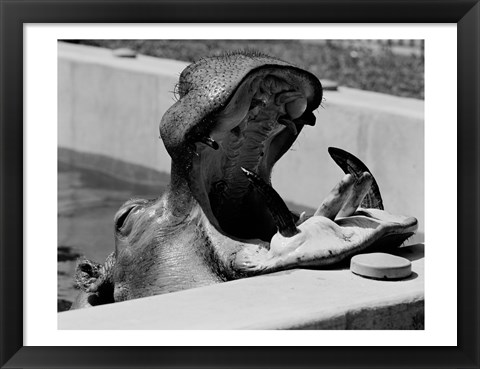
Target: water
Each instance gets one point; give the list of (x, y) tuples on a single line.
[(87, 203)]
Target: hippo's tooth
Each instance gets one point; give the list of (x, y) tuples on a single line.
[(303, 217), (334, 202), (280, 213), (289, 124), (350, 164), (210, 142), (362, 186)]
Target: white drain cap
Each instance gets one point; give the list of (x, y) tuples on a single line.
[(379, 265)]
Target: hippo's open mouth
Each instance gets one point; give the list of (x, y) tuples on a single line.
[(258, 124), (233, 161)]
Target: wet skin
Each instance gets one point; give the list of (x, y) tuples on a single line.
[(220, 218)]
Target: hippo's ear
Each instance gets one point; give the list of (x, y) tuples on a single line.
[(86, 274), (350, 164), (94, 278)]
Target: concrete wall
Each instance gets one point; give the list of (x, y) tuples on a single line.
[(294, 299), (112, 106)]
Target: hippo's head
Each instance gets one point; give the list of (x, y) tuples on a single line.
[(220, 218)]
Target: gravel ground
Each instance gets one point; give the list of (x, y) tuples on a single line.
[(367, 66)]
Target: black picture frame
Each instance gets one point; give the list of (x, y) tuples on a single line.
[(14, 14)]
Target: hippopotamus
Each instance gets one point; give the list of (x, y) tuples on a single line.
[(220, 219)]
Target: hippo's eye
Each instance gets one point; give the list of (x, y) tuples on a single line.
[(121, 220)]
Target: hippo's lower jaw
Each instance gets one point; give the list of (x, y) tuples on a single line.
[(230, 178), (322, 242), (338, 230)]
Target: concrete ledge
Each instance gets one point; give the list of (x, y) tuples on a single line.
[(112, 106), (296, 299)]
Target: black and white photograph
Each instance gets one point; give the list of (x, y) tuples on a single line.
[(241, 184)]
